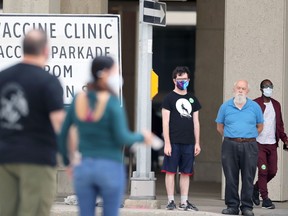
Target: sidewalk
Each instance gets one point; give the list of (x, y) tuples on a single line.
[(205, 195), (207, 207)]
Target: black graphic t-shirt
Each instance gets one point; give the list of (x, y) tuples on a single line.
[(181, 126), (28, 94)]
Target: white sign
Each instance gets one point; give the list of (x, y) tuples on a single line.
[(74, 41)]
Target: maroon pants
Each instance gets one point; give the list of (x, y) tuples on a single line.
[(267, 167)]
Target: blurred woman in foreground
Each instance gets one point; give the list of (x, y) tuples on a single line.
[(103, 131)]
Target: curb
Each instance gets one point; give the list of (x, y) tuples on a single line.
[(69, 210)]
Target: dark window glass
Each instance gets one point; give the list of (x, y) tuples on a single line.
[(173, 46)]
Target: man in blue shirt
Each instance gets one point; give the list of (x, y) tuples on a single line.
[(239, 120)]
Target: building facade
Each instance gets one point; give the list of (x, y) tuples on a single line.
[(220, 40)]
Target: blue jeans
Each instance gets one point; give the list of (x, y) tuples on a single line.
[(99, 177)]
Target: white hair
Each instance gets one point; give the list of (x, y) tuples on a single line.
[(235, 84)]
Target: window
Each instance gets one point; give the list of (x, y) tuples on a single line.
[(173, 46)]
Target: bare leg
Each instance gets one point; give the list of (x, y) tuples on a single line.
[(184, 184), (169, 181)]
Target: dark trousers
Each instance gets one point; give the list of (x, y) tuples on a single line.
[(267, 167), (239, 157)]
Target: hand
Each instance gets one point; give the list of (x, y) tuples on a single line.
[(167, 149), (197, 149), (148, 137), (286, 145)]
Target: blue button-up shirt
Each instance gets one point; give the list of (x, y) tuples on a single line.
[(240, 123)]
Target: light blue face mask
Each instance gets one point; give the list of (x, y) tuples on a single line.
[(182, 85), (267, 92)]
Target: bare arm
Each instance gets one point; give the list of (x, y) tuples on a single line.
[(74, 155), (72, 141), (196, 132), (220, 128), (165, 124), (259, 128), (56, 118)]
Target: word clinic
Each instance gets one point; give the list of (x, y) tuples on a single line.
[(89, 31), (70, 30)]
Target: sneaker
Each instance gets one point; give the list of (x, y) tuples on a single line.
[(255, 197), (171, 205), (230, 211), (188, 207), (267, 203)]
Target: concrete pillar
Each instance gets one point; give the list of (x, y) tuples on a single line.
[(31, 6), (209, 85), (255, 49), (84, 7)]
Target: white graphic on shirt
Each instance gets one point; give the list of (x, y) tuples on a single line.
[(184, 107), (13, 106)]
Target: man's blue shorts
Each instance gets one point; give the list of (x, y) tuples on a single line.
[(182, 156)]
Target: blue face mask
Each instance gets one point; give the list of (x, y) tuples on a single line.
[(267, 92), (182, 85)]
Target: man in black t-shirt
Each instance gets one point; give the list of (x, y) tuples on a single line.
[(181, 130), (31, 110)]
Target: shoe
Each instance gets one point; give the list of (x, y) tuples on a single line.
[(171, 205), (255, 197), (247, 212), (230, 211), (188, 207), (267, 203)]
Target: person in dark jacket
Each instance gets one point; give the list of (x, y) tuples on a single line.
[(268, 142)]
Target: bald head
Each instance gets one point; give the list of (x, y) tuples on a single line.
[(34, 43), (242, 83)]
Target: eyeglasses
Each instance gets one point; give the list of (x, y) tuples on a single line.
[(267, 86)]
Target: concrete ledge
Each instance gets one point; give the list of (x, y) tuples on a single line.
[(61, 209), (66, 210), (142, 204)]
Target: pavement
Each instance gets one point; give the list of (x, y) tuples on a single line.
[(205, 195), (207, 207)]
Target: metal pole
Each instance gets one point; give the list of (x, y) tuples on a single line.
[(143, 180)]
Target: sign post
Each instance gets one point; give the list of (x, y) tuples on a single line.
[(143, 180)]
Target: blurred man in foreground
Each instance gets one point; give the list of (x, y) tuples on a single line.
[(31, 110)]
